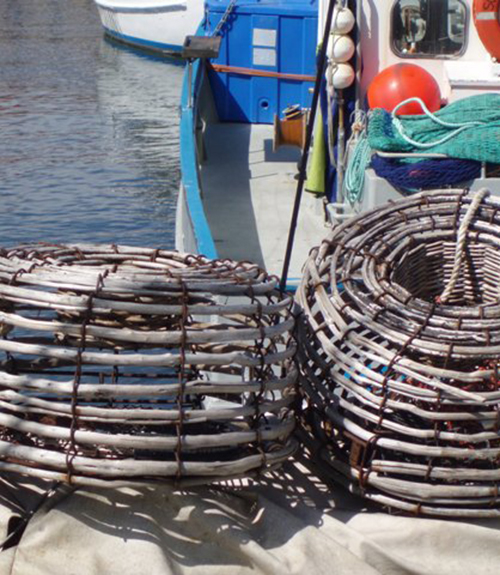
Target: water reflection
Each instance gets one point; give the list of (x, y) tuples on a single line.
[(89, 147)]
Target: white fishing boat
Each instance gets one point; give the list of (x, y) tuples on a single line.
[(157, 25), (238, 189)]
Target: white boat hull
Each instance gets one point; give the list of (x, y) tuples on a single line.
[(159, 25)]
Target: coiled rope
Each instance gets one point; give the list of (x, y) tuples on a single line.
[(359, 160)]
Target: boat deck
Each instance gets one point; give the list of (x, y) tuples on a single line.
[(248, 194)]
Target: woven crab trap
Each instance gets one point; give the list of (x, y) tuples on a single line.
[(399, 346), (139, 364)]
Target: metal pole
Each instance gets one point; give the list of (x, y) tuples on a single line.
[(358, 56), (340, 148), (190, 83), (307, 145)]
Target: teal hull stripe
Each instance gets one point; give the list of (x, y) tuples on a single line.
[(144, 43), (182, 7)]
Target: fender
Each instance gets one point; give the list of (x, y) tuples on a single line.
[(486, 15)]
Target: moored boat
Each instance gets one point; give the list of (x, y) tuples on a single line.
[(156, 25), (238, 189)]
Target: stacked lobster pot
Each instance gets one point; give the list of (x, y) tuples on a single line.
[(399, 347), (124, 363)]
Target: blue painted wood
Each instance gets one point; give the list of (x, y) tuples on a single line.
[(261, 35), (189, 168)]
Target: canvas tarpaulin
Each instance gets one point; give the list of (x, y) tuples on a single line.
[(289, 523)]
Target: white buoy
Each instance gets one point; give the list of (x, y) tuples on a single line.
[(340, 48), (340, 75), (343, 20)]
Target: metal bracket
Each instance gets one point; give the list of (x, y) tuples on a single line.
[(201, 47)]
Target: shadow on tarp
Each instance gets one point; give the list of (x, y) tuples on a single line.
[(290, 521), (20, 498), (184, 523)]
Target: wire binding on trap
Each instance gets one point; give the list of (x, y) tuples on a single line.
[(124, 363)]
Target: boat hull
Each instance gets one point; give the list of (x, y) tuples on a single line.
[(192, 231), (155, 25)]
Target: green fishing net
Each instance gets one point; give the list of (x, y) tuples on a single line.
[(468, 129)]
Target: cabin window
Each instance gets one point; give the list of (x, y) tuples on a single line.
[(429, 28)]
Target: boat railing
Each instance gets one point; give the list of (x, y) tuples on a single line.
[(189, 158)]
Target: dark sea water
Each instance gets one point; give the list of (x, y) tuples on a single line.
[(88, 131)]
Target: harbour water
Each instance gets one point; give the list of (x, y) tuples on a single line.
[(88, 131)]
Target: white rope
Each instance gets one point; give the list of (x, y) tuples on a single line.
[(461, 242), (458, 127)]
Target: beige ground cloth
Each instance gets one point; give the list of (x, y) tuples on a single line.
[(290, 523)]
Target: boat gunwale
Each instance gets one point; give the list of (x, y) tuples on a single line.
[(189, 161)]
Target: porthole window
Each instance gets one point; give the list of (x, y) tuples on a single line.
[(429, 28)]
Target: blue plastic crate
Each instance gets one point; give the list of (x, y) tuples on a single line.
[(268, 36)]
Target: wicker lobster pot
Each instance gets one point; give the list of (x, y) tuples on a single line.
[(399, 345), (139, 364)]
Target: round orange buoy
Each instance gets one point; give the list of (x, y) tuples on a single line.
[(487, 22), (400, 82)]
